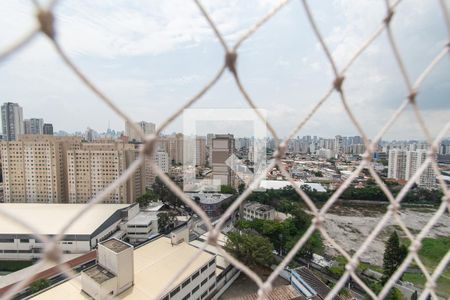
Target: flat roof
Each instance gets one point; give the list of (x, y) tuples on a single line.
[(115, 245), (143, 218), (49, 219), (209, 198), (99, 274), (155, 264)]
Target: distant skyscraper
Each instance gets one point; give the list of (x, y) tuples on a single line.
[(48, 128), (12, 121), (147, 128), (222, 149), (34, 126)]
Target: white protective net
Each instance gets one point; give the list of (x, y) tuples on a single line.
[(52, 253)]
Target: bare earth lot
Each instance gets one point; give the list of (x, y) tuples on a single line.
[(350, 225)]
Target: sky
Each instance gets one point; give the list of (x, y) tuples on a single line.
[(151, 56)]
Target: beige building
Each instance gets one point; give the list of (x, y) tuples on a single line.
[(93, 167), (34, 168), (200, 151), (147, 128), (161, 159), (173, 145)]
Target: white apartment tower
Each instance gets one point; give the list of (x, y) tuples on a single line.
[(403, 164), (161, 159), (34, 126), (12, 121)]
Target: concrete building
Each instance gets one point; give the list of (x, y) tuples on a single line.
[(48, 128), (211, 203), (200, 151), (161, 159), (173, 145), (33, 126), (403, 164), (12, 121), (34, 168), (93, 167), (142, 227), (255, 210), (222, 149), (133, 136), (153, 265), (112, 274), (97, 224)]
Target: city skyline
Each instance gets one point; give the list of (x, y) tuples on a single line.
[(150, 65)]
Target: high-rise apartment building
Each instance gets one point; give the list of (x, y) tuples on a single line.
[(403, 164), (222, 149), (133, 136), (161, 159), (95, 166), (48, 128), (173, 145), (33, 126), (200, 151), (34, 168), (12, 121)]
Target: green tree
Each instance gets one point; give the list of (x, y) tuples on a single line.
[(414, 296), (39, 285), (241, 188), (394, 254), (227, 189), (146, 198), (249, 248), (164, 193), (165, 220)]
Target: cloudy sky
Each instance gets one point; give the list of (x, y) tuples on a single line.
[(151, 56)]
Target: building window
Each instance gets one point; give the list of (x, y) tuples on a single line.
[(204, 295), (187, 296), (195, 289), (204, 268), (204, 282), (211, 263), (195, 275), (184, 284), (174, 292)]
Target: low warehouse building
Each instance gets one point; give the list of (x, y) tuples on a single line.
[(96, 225)]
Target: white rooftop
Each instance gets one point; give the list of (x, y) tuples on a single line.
[(154, 265), (143, 218), (51, 218)]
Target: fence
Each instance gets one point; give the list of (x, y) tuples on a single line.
[(45, 18)]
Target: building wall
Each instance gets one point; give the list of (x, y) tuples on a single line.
[(34, 168), (222, 149), (201, 282), (95, 166)]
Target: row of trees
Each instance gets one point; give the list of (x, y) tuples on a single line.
[(370, 192)]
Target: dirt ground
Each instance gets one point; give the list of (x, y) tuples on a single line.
[(350, 225)]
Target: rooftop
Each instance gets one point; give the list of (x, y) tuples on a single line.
[(49, 219), (99, 274), (116, 245), (143, 218), (155, 264), (209, 198), (258, 206)]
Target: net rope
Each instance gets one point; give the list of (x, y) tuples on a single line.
[(52, 253)]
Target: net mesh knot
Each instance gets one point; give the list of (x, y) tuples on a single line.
[(46, 22)]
